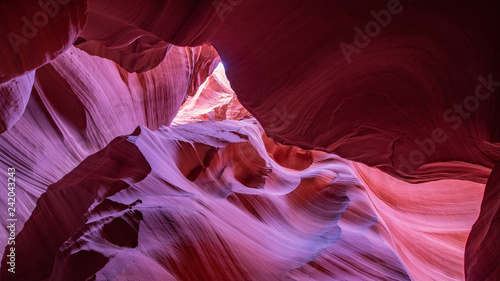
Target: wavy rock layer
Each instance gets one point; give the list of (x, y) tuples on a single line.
[(418, 92), (406, 87), (117, 23), (222, 201), (107, 91), (209, 199), (14, 96), (145, 53), (80, 103), (481, 253), (366, 67)]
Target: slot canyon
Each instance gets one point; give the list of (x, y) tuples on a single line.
[(201, 140)]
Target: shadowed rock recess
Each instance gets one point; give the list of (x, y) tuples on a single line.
[(249, 140)]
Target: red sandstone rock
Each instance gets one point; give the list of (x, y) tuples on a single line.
[(34, 34), (106, 92), (143, 54), (415, 98), (182, 197), (118, 23), (164, 204), (481, 252), (313, 93), (379, 106), (80, 103)]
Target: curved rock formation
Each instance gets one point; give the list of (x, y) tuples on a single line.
[(382, 57), (347, 63), (481, 252), (110, 186), (80, 103), (420, 88), (35, 32), (144, 54), (135, 201), (164, 204), (214, 100), (14, 96)]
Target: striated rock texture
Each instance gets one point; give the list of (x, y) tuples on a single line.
[(80, 103), (208, 201), (219, 200), (416, 95), (141, 55), (334, 76), (14, 96), (114, 184), (106, 90), (214, 100), (481, 252)]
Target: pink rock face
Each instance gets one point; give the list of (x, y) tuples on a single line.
[(362, 148), (80, 103), (212, 193), (14, 96), (106, 90), (164, 204)]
